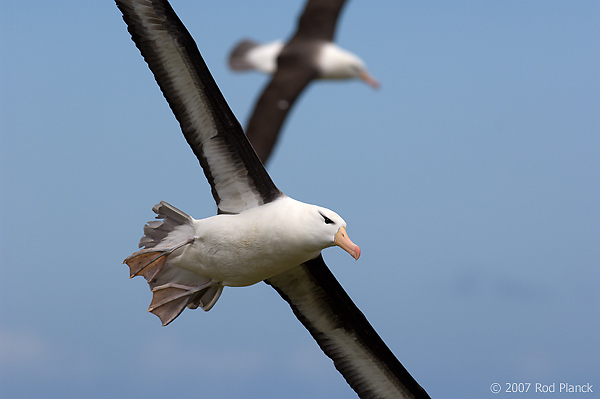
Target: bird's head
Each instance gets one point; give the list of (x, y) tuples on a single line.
[(337, 63), (329, 229)]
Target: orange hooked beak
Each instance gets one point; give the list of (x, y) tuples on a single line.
[(343, 241)]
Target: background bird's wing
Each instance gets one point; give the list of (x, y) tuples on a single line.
[(237, 177), (319, 19), (292, 76), (295, 70), (344, 333)]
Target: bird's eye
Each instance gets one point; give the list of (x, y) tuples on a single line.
[(326, 219)]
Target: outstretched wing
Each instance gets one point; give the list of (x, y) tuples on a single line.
[(238, 179), (293, 74), (319, 19), (344, 333)]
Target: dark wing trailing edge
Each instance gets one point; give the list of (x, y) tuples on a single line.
[(343, 333), (238, 179)]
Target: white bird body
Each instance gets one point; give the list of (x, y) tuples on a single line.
[(331, 61), (187, 262), (256, 244)]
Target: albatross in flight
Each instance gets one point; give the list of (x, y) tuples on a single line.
[(310, 54), (258, 234)]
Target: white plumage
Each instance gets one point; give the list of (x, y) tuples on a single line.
[(259, 233), (187, 262), (331, 61)]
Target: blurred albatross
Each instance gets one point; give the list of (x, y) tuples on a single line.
[(259, 233), (312, 45), (310, 54)]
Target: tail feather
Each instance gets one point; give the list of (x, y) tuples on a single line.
[(207, 298), (156, 231), (238, 60), (173, 288)]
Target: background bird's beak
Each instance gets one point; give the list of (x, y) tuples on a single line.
[(370, 80), (342, 241)]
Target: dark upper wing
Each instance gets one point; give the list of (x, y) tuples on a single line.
[(318, 20), (343, 333), (238, 179), (293, 74)]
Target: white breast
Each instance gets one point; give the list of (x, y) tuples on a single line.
[(337, 63), (243, 249)]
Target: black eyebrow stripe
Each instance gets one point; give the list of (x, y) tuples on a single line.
[(327, 220)]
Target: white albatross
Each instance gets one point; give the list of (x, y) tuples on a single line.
[(187, 262), (312, 44), (310, 54), (259, 233), (330, 61)]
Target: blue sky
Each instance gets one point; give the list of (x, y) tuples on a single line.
[(469, 180)]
